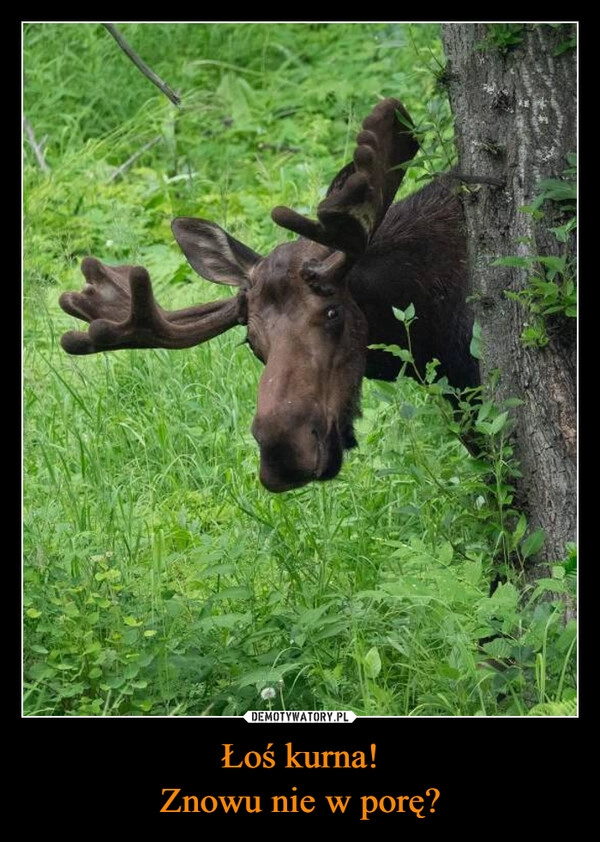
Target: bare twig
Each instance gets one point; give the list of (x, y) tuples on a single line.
[(124, 167), (141, 65), (37, 147)]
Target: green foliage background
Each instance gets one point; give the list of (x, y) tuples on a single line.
[(159, 577)]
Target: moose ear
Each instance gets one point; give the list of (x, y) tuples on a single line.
[(213, 253)]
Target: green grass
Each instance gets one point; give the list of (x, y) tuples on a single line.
[(159, 577)]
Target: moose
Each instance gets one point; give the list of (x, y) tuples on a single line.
[(313, 306)]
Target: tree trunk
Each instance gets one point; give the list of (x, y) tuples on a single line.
[(515, 113)]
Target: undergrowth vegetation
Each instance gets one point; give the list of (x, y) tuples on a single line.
[(160, 578)]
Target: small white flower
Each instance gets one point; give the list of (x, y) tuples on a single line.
[(267, 693)]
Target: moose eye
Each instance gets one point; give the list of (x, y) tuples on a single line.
[(333, 314)]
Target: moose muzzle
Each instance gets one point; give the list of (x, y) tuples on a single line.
[(296, 449)]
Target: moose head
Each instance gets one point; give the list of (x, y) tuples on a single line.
[(303, 320)]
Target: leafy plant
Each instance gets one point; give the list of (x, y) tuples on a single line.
[(503, 36), (551, 280), (522, 628)]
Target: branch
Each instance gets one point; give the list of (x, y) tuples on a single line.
[(37, 147), (124, 167), (141, 65)]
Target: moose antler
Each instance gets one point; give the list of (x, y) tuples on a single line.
[(119, 304), (363, 190)]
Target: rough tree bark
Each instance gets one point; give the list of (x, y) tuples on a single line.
[(515, 119)]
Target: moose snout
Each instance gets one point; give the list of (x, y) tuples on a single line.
[(292, 449)]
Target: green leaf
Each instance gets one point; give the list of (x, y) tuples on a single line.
[(533, 209), (534, 336), (520, 530), (113, 683), (555, 586), (484, 410), (132, 621), (63, 667), (40, 671), (502, 603), (409, 313), (483, 427), (372, 663), (498, 648), (69, 691), (498, 423), (445, 553), (533, 543), (431, 370), (224, 621), (512, 261), (395, 350), (472, 571), (556, 263), (386, 392), (559, 191), (475, 346), (566, 45), (446, 671), (566, 708), (561, 233), (265, 675)]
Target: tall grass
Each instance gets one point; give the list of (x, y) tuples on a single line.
[(159, 577)]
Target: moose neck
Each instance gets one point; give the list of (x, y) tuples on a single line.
[(399, 268)]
